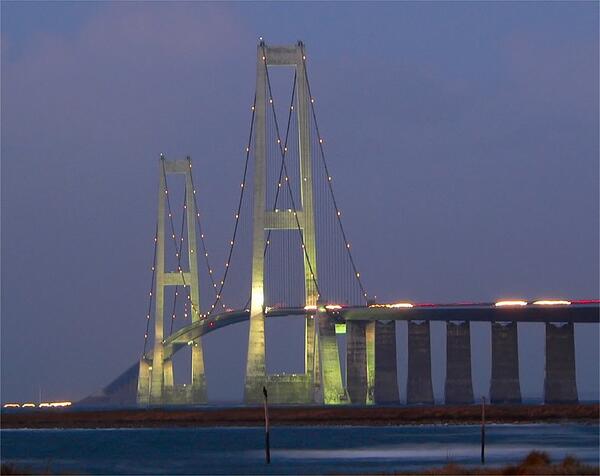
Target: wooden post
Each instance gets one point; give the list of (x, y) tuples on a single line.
[(267, 443), (482, 430)]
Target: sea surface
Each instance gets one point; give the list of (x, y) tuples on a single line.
[(294, 450)]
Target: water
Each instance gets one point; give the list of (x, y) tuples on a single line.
[(295, 450)]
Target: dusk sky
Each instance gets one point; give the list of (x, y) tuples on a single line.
[(462, 137)]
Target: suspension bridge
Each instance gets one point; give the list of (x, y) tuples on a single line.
[(289, 242)]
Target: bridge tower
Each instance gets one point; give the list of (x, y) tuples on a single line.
[(288, 388), (155, 381)]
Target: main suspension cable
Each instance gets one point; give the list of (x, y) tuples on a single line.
[(291, 194), (178, 253), (151, 294), (237, 213), (329, 180)]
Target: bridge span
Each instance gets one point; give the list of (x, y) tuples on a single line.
[(301, 258)]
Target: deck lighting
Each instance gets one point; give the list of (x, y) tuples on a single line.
[(510, 303)]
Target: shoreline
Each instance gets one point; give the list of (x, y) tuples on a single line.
[(300, 416)]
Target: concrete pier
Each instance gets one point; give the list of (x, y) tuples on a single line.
[(143, 382), (386, 373), (459, 386), (560, 384), (331, 373), (419, 388), (370, 338), (505, 386), (356, 361)]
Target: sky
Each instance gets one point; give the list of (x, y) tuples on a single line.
[(463, 137)]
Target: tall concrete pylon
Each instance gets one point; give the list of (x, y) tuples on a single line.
[(155, 381), (286, 388)]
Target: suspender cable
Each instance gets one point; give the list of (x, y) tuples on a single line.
[(287, 175), (322, 153)]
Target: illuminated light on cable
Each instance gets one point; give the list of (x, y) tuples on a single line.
[(60, 404), (310, 308), (397, 305), (271, 100), (166, 191), (358, 275), (320, 141), (312, 100), (285, 149), (252, 108), (332, 307), (548, 302), (202, 235), (11, 405), (242, 185), (247, 149), (348, 245), (279, 141), (510, 303), (28, 405), (44, 405), (150, 293), (303, 58), (264, 58), (267, 309), (231, 242)]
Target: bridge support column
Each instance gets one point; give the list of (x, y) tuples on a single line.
[(162, 387), (143, 386), (419, 388), (329, 365), (459, 387), (386, 373), (370, 345), (301, 221), (356, 361), (560, 384), (505, 386)]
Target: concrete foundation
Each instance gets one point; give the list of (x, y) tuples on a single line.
[(386, 372), (560, 384), (419, 388), (505, 386), (459, 387), (356, 361), (370, 344), (332, 387)]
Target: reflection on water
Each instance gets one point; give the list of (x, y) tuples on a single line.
[(295, 450)]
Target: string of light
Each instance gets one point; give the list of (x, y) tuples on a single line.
[(237, 213), (329, 178), (195, 308), (305, 251), (150, 294), (200, 230), (178, 253)]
